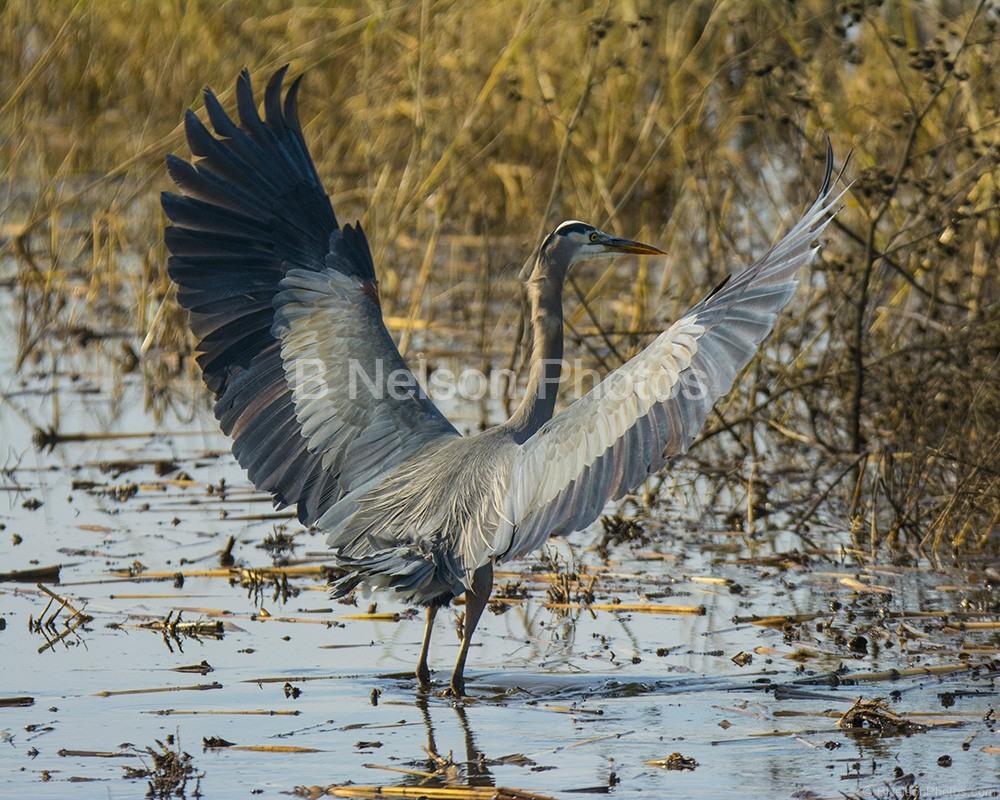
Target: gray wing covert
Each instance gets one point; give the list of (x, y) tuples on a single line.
[(280, 295), (606, 443)]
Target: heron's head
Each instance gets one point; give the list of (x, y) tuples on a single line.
[(574, 241)]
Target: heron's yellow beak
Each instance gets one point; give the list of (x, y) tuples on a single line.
[(615, 244)]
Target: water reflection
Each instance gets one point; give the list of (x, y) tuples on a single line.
[(474, 770), (532, 654)]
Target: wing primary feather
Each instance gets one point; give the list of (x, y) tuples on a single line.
[(220, 120), (272, 103)]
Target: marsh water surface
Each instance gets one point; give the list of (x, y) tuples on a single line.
[(605, 655)]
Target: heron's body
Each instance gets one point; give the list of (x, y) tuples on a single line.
[(428, 525), (325, 415)]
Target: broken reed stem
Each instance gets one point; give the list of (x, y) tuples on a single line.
[(96, 754), (59, 599), (897, 674), (201, 687), (958, 627), (642, 608), (416, 772), (428, 792), (48, 439), (32, 575), (226, 572), (271, 748), (173, 712)]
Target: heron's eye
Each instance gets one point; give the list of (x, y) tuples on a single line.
[(593, 236)]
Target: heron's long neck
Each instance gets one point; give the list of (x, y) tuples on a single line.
[(544, 291)]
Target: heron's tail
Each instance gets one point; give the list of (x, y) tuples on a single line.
[(405, 570)]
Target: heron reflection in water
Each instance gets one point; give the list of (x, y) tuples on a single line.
[(284, 303)]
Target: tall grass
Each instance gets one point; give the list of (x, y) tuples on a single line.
[(459, 132)]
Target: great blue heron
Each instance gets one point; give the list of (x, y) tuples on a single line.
[(284, 304)]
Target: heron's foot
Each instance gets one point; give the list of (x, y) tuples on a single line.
[(423, 676), (457, 688)]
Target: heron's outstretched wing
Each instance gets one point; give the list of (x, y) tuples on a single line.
[(607, 442), (284, 304)]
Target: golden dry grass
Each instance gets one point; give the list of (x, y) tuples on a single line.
[(459, 132)]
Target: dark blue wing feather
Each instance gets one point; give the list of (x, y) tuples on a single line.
[(251, 210)]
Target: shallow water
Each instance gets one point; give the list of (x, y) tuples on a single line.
[(562, 700)]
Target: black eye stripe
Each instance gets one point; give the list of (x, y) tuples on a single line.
[(574, 227)]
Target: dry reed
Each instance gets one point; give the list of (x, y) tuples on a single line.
[(458, 134)]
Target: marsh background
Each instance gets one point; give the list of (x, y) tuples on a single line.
[(460, 133)]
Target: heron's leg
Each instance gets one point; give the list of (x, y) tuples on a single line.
[(423, 673), (476, 599)]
